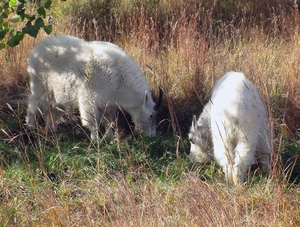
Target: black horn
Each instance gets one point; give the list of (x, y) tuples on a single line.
[(157, 105)]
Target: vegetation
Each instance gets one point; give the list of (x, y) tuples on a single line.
[(14, 12), (62, 179)]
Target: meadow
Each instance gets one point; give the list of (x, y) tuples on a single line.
[(183, 47)]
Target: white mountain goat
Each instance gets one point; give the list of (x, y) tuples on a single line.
[(236, 120), (96, 77)]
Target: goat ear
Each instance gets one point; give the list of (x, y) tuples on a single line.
[(194, 122)]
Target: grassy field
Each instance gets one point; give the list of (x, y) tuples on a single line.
[(62, 179)]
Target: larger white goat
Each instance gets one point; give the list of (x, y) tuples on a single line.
[(96, 77), (237, 121)]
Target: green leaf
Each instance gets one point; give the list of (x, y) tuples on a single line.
[(5, 13), (2, 45), (20, 35), (5, 25), (15, 40), (15, 18), (5, 5), (26, 29), (2, 34), (12, 3), (11, 30), (31, 30), (32, 18), (12, 42), (41, 11), (39, 22), (22, 17), (21, 12), (48, 29), (27, 16), (47, 4)]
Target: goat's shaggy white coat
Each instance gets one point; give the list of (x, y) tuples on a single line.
[(96, 77), (237, 121)]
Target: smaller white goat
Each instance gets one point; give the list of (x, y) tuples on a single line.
[(96, 77), (237, 121)]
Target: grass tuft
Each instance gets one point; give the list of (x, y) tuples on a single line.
[(62, 179)]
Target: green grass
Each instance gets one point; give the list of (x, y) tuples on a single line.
[(183, 47), (61, 180)]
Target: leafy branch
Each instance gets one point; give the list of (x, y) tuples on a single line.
[(13, 12)]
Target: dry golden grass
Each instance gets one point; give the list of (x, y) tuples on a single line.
[(114, 201), (183, 47)]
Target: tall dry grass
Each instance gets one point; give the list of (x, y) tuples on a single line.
[(114, 201), (183, 47), (189, 44)]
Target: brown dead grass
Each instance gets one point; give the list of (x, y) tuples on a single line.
[(183, 47), (187, 45), (116, 202)]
